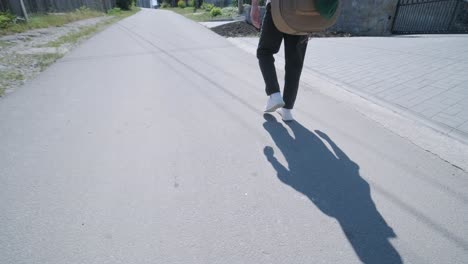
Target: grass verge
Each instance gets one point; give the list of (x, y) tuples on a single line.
[(198, 15), (50, 20), (12, 76), (59, 19), (8, 76), (44, 60), (4, 44), (73, 37)]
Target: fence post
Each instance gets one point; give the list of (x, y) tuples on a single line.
[(240, 6), (23, 8)]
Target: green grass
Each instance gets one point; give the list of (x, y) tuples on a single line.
[(199, 15), (88, 31), (75, 36), (42, 61), (51, 20), (56, 20), (4, 44), (9, 76), (120, 14), (45, 60)]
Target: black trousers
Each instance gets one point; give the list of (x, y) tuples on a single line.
[(294, 49)]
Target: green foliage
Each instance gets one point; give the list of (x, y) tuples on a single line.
[(49, 20), (191, 3), (229, 11), (215, 11), (6, 19), (207, 7), (165, 5), (114, 11), (181, 4), (83, 9), (59, 19), (124, 4)]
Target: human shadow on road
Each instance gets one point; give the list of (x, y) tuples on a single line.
[(332, 182)]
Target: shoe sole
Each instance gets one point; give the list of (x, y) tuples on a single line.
[(274, 108)]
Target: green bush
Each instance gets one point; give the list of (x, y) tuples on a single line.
[(124, 4), (6, 19), (207, 7), (165, 5), (181, 4), (216, 11), (229, 11), (114, 11), (191, 3)]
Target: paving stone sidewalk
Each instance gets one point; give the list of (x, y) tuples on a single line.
[(424, 77)]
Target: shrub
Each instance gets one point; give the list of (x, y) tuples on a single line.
[(83, 9), (191, 3), (165, 5), (181, 4), (229, 11), (207, 7), (6, 19), (124, 4), (216, 11), (114, 11)]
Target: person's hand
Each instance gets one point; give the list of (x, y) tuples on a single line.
[(255, 14)]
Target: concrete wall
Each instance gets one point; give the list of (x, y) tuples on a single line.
[(366, 17)]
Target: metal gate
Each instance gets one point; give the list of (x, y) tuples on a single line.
[(431, 17)]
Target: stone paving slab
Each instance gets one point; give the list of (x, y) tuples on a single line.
[(423, 76)]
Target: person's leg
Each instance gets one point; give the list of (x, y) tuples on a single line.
[(269, 44), (295, 49)]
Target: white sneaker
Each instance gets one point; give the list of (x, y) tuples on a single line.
[(274, 102), (286, 114)]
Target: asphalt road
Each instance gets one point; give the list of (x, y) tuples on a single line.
[(147, 144)]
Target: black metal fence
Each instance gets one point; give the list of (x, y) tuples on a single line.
[(431, 17), (43, 6)]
